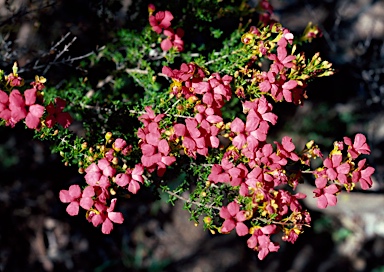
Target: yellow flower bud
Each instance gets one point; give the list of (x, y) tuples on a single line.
[(108, 135)]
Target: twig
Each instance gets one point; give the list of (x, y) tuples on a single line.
[(143, 72), (264, 220), (193, 202), (174, 104)]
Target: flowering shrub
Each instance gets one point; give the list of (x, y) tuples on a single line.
[(199, 126)]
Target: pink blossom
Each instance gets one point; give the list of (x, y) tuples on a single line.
[(218, 174), (35, 111), (282, 59), (71, 196), (326, 196), (337, 170), (287, 89), (234, 218), (17, 108), (119, 144), (363, 175), (161, 20), (260, 241), (5, 112), (286, 149), (359, 146), (132, 178), (106, 216), (86, 201), (173, 40), (93, 174), (56, 114), (14, 80)]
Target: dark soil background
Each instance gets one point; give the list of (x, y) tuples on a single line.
[(36, 233)]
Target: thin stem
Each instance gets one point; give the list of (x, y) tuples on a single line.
[(174, 104), (264, 220), (193, 202), (143, 72)]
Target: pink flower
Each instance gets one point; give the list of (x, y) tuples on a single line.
[(132, 177), (287, 89), (281, 60), (234, 218), (93, 174), (119, 144), (5, 112), (286, 149), (218, 174), (17, 107), (150, 116), (363, 175), (173, 40), (260, 241), (326, 196), (106, 216), (86, 201), (14, 80), (161, 20), (337, 170), (105, 166), (359, 146), (35, 111), (71, 196), (56, 114)]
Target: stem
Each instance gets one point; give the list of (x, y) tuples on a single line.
[(193, 202), (264, 220), (143, 72)]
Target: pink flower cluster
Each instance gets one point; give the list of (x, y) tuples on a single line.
[(103, 178), (201, 132), (17, 106), (161, 22), (276, 82), (255, 172), (155, 149), (100, 214), (339, 170)]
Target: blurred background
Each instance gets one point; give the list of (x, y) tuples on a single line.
[(36, 233)]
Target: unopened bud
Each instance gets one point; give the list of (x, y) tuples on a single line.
[(66, 163), (112, 192), (203, 194), (115, 160), (81, 170), (55, 132), (207, 220), (84, 145), (102, 148), (108, 135), (62, 153)]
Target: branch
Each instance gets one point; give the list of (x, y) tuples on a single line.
[(143, 72), (193, 202)]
